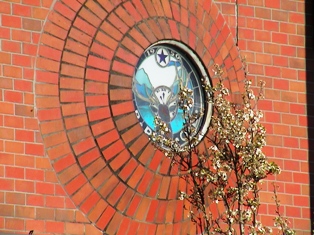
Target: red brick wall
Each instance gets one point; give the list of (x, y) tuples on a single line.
[(66, 111)]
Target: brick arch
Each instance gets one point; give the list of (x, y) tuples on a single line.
[(84, 105)]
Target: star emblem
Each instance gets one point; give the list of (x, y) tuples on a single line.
[(162, 57)]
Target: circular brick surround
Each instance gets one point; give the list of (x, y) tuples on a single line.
[(85, 65)]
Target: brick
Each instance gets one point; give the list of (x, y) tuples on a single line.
[(74, 228), (11, 46), (5, 33), (121, 81), (24, 161), (12, 71), (287, 28), (91, 16), (301, 30), (45, 188), (84, 145), (43, 163), (97, 180), (55, 139), (75, 184), (105, 217), (5, 58), (6, 83), (50, 28), (59, 20), (65, 215), (272, 71), (71, 70), (24, 110), (280, 61), (98, 114), (287, 50), (11, 21), (173, 189), (131, 134), (119, 160), (23, 85), (122, 108), (76, 121), (50, 53), (14, 147), (301, 52), (156, 160), (6, 133), (55, 227), (5, 8), (297, 86), (148, 32), (71, 83), (281, 38), (128, 169), (35, 37), (92, 230), (296, 17), (38, 224), (25, 212), (67, 96), (40, 12), (297, 40), (88, 28), (113, 149), (127, 56), (133, 206), (298, 108), (79, 134), (35, 200), (7, 184), (47, 102), (54, 202), (14, 224), (111, 183), (279, 15), (281, 130), (99, 63), (96, 87), (7, 158), (165, 28), (264, 13), (48, 64), (24, 186), (91, 200), (126, 18), (296, 63), (114, 223), (145, 182), (133, 11), (165, 166), (14, 172), (116, 193), (46, 89), (64, 162), (52, 41), (31, 24)]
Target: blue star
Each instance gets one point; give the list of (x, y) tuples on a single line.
[(162, 57)]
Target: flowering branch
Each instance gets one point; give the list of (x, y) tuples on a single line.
[(225, 179)]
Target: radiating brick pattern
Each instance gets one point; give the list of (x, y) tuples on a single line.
[(95, 143)]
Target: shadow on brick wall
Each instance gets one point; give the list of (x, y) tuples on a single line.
[(310, 96)]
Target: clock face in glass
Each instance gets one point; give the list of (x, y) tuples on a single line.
[(156, 85)]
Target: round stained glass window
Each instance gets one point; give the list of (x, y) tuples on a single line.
[(160, 71)]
